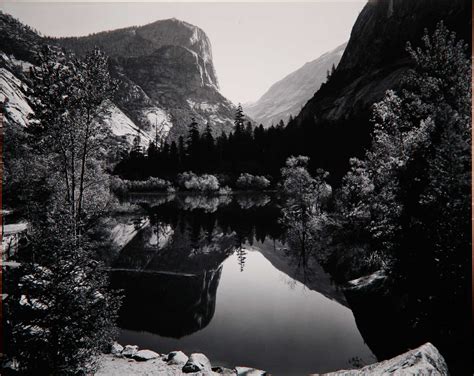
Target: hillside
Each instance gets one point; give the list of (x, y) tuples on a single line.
[(167, 75), (334, 125), (165, 72), (287, 96)]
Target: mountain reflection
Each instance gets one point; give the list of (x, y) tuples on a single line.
[(171, 305), (169, 271), (171, 268)]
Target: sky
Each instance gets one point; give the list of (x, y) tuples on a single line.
[(254, 45)]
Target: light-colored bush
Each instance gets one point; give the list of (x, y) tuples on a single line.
[(120, 186), (189, 181), (249, 181)]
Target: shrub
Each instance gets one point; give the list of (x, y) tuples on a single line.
[(152, 184), (189, 181), (225, 191), (249, 181)]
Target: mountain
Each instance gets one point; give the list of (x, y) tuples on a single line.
[(287, 96), (165, 72), (334, 125), (167, 75)]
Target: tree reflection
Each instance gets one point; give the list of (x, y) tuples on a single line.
[(241, 257)]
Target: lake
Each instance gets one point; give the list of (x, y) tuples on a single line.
[(213, 275)]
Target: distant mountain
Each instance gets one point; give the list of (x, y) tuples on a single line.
[(288, 96), (334, 124), (165, 71)]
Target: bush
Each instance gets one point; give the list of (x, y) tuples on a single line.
[(225, 191), (120, 186), (189, 181), (249, 181)]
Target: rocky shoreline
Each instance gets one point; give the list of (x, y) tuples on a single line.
[(129, 360)]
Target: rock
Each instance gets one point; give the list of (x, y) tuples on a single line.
[(424, 360), (247, 371), (197, 362), (371, 281), (224, 371), (116, 349), (176, 357), (143, 355), (130, 350)]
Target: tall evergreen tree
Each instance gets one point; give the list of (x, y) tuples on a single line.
[(194, 145), (239, 120)]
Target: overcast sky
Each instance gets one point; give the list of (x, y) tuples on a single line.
[(254, 44)]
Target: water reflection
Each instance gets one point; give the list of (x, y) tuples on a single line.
[(211, 274), (171, 305)]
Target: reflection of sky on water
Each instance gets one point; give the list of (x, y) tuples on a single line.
[(208, 274), (264, 318)]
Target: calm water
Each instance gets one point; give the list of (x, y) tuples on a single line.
[(212, 275)]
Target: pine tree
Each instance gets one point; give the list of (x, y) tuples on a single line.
[(194, 145), (174, 157), (239, 120), (151, 151), (136, 152), (181, 152)]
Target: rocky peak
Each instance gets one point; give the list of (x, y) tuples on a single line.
[(140, 41)]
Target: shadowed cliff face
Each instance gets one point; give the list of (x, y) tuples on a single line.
[(375, 56), (373, 62)]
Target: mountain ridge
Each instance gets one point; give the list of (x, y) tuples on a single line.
[(334, 125), (288, 95), (165, 71)]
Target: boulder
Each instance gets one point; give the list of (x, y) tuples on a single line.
[(224, 371), (130, 350), (176, 357), (247, 371), (368, 282), (116, 349), (197, 362), (144, 355), (424, 360)]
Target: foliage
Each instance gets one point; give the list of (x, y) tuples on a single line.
[(69, 96), (248, 149), (409, 198), (249, 181), (189, 181), (121, 187), (62, 312), (303, 213), (225, 191)]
